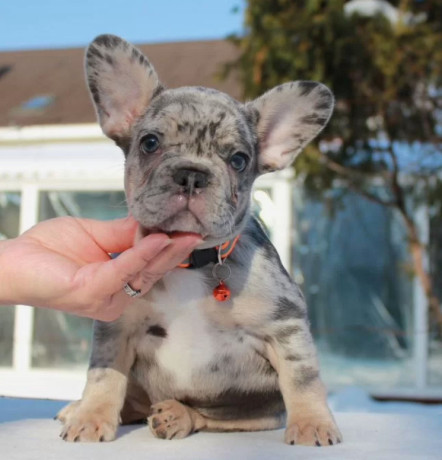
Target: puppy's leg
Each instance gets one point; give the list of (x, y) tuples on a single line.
[(95, 417), (136, 405), (291, 351), (173, 420)]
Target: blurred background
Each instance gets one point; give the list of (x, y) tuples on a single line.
[(357, 221)]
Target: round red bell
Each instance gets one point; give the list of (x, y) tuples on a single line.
[(221, 292)]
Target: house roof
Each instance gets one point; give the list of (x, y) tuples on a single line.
[(48, 86)]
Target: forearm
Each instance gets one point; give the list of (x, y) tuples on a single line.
[(32, 275), (6, 290), (23, 277)]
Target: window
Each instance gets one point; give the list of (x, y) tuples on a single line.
[(352, 257), (38, 102), (9, 227), (61, 340), (4, 69), (435, 340)]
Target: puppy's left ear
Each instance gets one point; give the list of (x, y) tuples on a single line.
[(287, 118)]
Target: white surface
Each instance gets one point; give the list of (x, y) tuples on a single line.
[(366, 436), (41, 133), (94, 162), (372, 430)]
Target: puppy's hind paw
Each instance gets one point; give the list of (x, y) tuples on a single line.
[(171, 420)]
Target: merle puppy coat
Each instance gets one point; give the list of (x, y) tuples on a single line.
[(178, 356)]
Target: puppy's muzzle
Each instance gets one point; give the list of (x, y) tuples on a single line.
[(191, 178)]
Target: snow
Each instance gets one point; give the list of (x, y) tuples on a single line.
[(372, 8)]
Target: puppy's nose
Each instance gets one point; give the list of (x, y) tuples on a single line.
[(191, 178)]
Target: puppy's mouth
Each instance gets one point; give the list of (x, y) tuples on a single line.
[(185, 215), (145, 231), (184, 223)]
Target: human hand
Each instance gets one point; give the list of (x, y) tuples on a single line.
[(64, 264)]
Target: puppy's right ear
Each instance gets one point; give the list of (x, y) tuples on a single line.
[(122, 83)]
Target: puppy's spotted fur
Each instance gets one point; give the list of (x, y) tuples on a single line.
[(178, 356)]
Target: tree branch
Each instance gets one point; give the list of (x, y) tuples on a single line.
[(350, 174), (416, 247)]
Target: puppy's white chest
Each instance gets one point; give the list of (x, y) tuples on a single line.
[(201, 348), (189, 346), (191, 340)]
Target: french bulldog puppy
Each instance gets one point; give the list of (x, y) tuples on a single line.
[(224, 344)]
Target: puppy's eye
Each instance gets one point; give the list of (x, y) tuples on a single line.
[(239, 161), (149, 143)]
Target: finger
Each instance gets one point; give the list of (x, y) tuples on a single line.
[(174, 254), (132, 261), (169, 256), (101, 279), (167, 260), (113, 235)]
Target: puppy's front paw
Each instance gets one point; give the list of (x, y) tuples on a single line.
[(313, 432), (171, 420), (67, 411), (81, 424)]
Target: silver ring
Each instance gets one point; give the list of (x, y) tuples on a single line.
[(130, 291)]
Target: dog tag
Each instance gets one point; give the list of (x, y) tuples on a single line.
[(221, 292)]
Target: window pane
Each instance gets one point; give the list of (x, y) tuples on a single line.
[(435, 342), (352, 258), (263, 208), (95, 205), (62, 340), (9, 226)]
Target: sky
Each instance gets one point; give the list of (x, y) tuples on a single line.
[(39, 24)]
